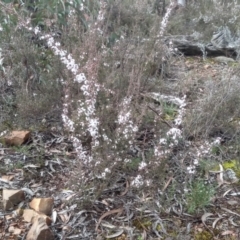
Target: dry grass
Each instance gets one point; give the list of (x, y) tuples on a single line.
[(216, 107)]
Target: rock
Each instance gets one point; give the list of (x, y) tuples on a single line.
[(17, 231), (42, 205), (14, 230), (8, 177), (17, 138), (12, 197), (30, 216), (207, 66), (39, 231)]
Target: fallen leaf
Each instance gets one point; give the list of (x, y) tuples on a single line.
[(117, 234), (227, 232), (119, 210)]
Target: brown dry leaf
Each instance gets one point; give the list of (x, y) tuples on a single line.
[(36, 185), (17, 231), (70, 196), (55, 151), (231, 220), (216, 221), (54, 216), (144, 235), (229, 211), (119, 210), (65, 217), (31, 166), (220, 176), (126, 219), (105, 202), (232, 202), (122, 237), (226, 193), (19, 171), (205, 217), (67, 228), (166, 185), (126, 190), (108, 225), (114, 235), (228, 232)]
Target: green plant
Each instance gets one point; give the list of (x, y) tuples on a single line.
[(199, 196), (18, 165), (24, 149), (216, 150), (169, 110), (142, 223), (133, 164), (206, 165), (204, 235)]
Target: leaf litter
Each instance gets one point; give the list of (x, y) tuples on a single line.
[(119, 210)]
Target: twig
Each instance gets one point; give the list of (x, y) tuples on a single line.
[(162, 120)]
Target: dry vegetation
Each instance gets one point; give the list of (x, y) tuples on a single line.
[(145, 127)]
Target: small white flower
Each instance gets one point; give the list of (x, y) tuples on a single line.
[(191, 169), (195, 161), (106, 65), (174, 133), (80, 78), (138, 181), (81, 7), (36, 30), (163, 141), (142, 166)]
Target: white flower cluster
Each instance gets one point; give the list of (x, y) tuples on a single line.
[(89, 87), (201, 152), (81, 154), (1, 64), (127, 126), (166, 17), (174, 134)]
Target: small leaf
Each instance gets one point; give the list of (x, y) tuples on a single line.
[(205, 216), (117, 234)]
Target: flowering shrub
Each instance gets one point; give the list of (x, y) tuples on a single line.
[(102, 71), (103, 111)]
